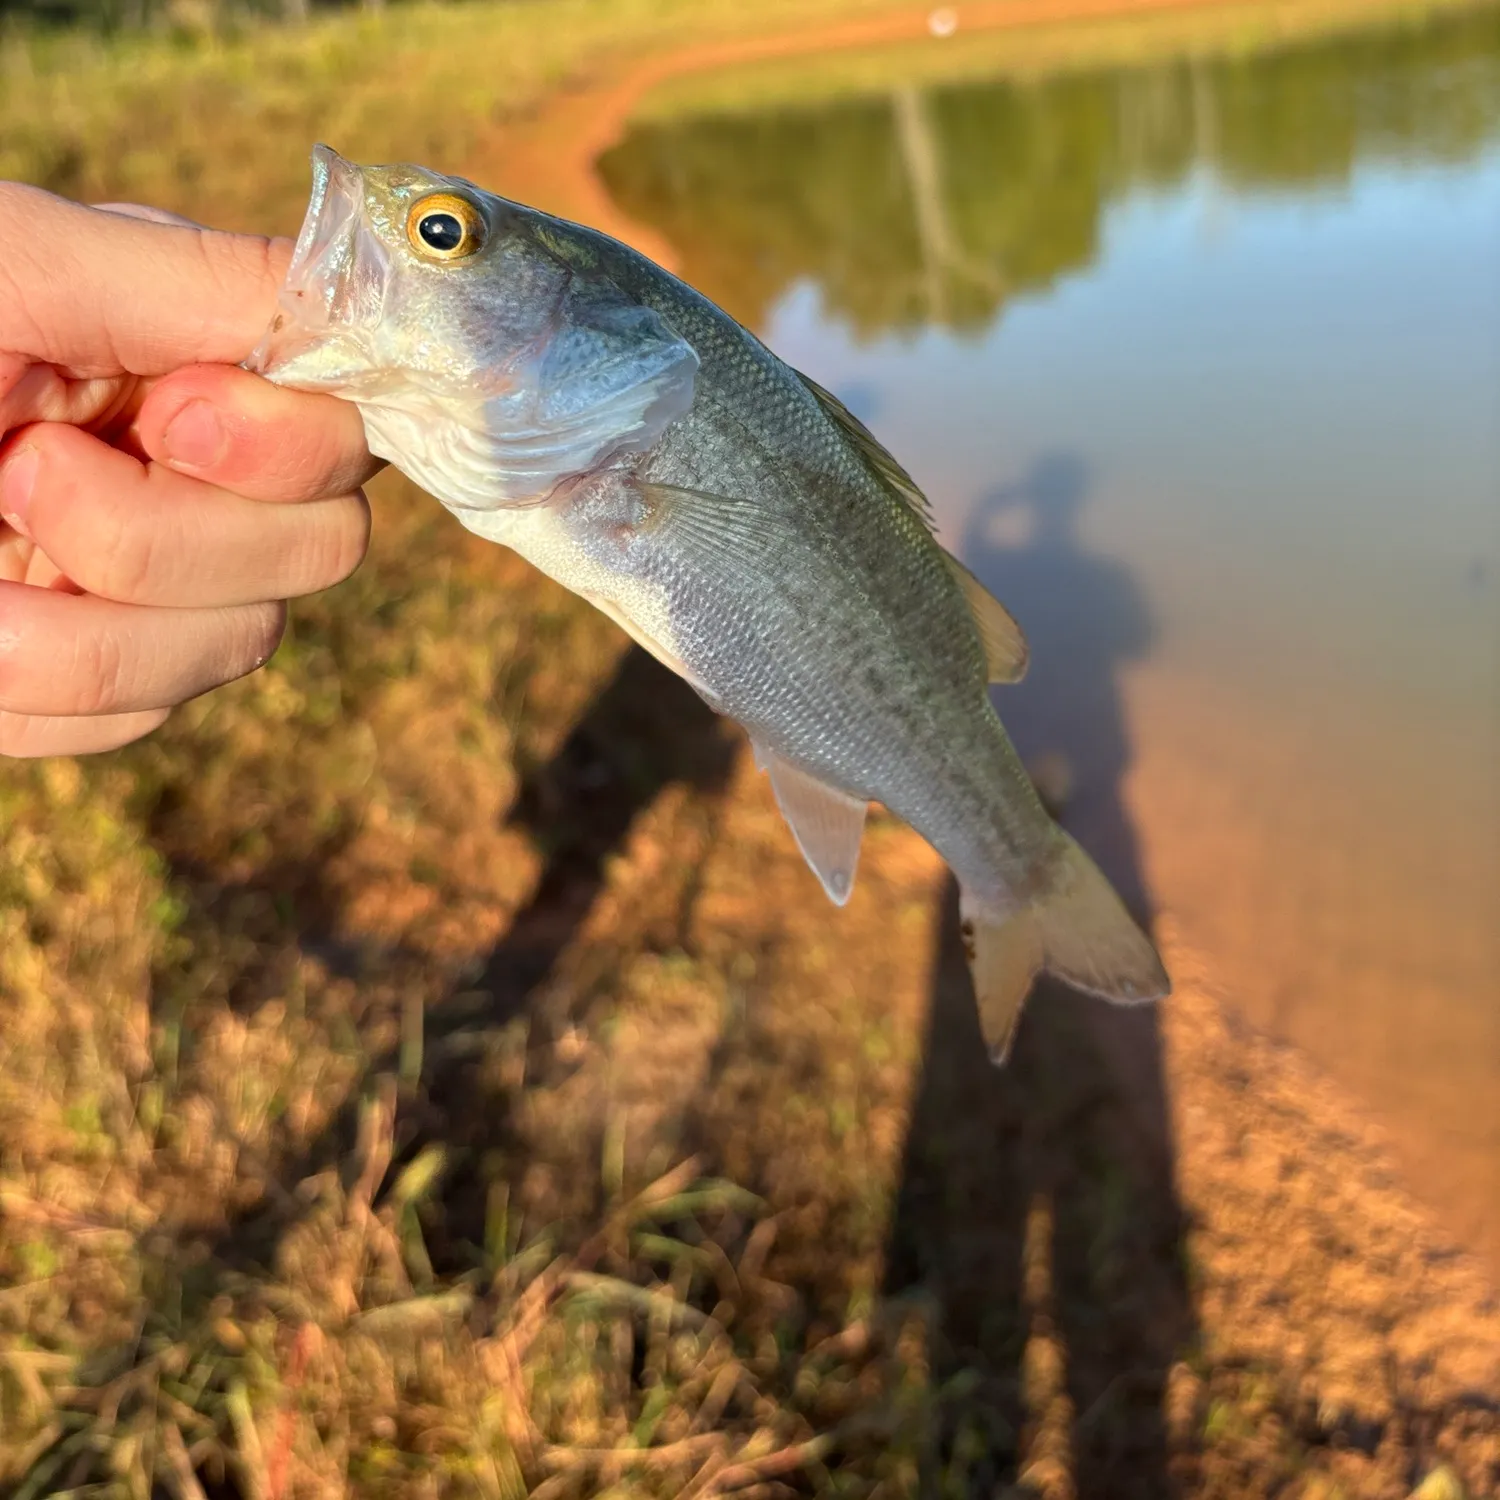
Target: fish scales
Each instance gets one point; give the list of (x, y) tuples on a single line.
[(885, 686)]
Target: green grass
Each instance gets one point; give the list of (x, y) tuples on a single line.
[(1042, 51), (219, 127)]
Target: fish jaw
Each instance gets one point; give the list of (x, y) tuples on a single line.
[(335, 291)]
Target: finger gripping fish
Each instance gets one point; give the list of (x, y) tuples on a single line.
[(567, 397)]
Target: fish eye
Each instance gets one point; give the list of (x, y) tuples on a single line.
[(443, 226)]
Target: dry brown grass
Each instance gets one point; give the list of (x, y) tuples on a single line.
[(379, 1044), (250, 1235)]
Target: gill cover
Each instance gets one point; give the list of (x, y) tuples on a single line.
[(488, 377)]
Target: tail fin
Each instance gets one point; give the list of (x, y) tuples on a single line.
[(1077, 929)]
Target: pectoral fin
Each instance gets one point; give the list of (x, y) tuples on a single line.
[(828, 824), (1005, 647)]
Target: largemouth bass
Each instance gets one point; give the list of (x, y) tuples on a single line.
[(567, 397)]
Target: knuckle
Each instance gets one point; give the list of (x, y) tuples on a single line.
[(87, 526), (100, 674), (123, 557), (314, 462), (341, 543)]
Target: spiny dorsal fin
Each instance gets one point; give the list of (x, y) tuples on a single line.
[(867, 445), (1005, 647)]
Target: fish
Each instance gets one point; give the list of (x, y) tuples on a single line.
[(565, 396)]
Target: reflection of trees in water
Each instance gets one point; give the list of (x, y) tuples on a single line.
[(933, 205)]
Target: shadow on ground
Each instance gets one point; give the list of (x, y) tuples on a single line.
[(646, 729), (1037, 1205)]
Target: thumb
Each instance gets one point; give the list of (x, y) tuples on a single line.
[(151, 215), (104, 292)]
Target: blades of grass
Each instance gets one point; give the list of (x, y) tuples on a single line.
[(611, 1289), (753, 1259), (414, 1251), (414, 1316), (612, 1160), (39, 1481), (413, 1028), (418, 1177), (725, 1383), (377, 1124), (28, 1461), (708, 1196), (178, 1475), (497, 1245), (659, 1400), (610, 1463), (783, 1461), (674, 1252), (251, 1461)]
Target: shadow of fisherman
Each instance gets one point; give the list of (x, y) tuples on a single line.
[(1037, 1206)]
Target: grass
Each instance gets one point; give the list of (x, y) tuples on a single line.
[(1046, 51), (86, 116), (382, 1042), (251, 1238)]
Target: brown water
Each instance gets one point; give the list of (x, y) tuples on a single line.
[(1199, 363)]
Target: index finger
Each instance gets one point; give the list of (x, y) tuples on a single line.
[(239, 431), (99, 293)]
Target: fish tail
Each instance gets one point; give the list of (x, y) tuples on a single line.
[(1077, 928)]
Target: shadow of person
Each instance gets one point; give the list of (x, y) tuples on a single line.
[(1037, 1206), (1085, 619), (645, 729)]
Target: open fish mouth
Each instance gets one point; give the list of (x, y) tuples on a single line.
[(335, 286)]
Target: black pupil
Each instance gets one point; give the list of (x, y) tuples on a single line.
[(441, 231)]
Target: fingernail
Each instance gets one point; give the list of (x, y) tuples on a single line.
[(17, 480), (194, 437)]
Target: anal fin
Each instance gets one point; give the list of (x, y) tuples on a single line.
[(828, 824), (1004, 958)]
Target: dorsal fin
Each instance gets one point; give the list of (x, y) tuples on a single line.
[(1005, 647), (868, 446)]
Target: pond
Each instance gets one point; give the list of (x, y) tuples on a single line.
[(1199, 362)]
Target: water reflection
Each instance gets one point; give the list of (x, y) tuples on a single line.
[(915, 207), (1196, 361)]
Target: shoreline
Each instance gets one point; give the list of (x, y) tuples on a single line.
[(548, 158)]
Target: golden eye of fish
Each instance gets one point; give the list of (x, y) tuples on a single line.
[(444, 226)]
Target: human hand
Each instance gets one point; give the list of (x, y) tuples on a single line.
[(158, 504)]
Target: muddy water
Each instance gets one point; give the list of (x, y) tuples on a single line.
[(1199, 363)]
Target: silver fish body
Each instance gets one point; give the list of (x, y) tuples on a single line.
[(569, 398)]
